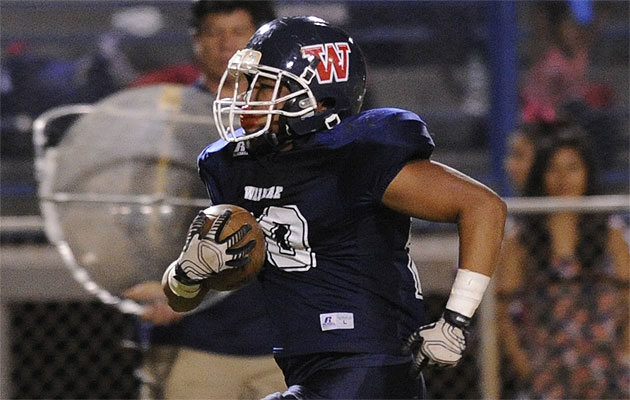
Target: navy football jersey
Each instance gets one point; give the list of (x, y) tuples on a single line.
[(338, 276)]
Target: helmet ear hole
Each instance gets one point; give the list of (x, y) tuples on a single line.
[(328, 103)]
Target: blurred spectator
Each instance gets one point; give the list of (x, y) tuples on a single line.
[(181, 74), (560, 72), (559, 86), (563, 285), (520, 155), (34, 83), (210, 353)]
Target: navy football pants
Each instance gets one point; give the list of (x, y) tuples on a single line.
[(383, 382)]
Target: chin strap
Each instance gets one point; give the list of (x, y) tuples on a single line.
[(291, 127), (324, 119), (270, 141), (332, 120)]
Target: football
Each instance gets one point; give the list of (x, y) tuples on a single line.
[(235, 278)]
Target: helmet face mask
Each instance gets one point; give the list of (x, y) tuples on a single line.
[(230, 113), (313, 71)]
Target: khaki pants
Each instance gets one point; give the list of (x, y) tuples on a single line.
[(182, 373)]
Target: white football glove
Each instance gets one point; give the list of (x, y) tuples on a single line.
[(206, 256), (439, 344)]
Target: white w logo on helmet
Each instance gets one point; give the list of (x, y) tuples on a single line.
[(335, 61)]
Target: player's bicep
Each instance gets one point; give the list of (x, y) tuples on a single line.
[(429, 190)]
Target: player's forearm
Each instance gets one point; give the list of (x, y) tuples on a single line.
[(481, 233), (481, 225), (480, 215)]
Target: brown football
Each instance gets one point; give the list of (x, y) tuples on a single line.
[(235, 278)]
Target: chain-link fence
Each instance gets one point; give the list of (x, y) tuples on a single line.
[(562, 332), (71, 350), (84, 350), (562, 303)]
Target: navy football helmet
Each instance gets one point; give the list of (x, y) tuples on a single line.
[(318, 63)]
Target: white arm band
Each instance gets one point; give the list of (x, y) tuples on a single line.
[(467, 292), (181, 290)]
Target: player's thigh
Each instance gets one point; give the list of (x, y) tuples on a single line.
[(197, 374), (383, 382)]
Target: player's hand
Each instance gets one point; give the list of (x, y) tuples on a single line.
[(154, 301), (439, 344), (203, 256)]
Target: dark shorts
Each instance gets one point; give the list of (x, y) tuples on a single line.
[(327, 378)]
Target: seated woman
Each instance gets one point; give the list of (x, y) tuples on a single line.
[(563, 286)]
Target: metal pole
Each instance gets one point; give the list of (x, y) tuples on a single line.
[(502, 51)]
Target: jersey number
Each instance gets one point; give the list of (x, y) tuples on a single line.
[(286, 232)]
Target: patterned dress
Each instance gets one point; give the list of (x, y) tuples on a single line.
[(571, 323)]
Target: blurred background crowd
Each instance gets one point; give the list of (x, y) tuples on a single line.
[(438, 59), (510, 91)]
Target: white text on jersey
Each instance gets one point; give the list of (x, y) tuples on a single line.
[(256, 194)]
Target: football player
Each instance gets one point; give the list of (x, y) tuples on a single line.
[(334, 189)]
